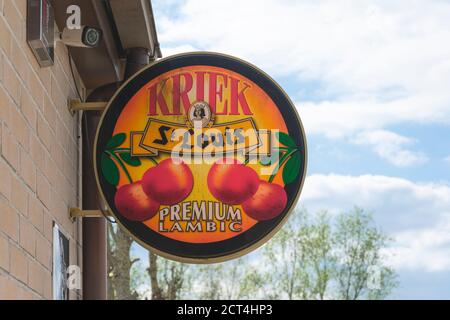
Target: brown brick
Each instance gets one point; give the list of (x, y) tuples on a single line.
[(13, 18), (29, 107), (38, 159), (43, 190), (19, 196), (9, 221), (34, 296), (62, 79), (1, 66), (36, 89), (70, 89), (57, 96), (68, 169), (43, 251), (27, 294), (19, 128), (36, 277), (19, 61), (48, 226), (21, 5), (48, 285), (5, 181), (10, 147), (44, 133), (27, 236), (36, 213), (8, 287), (5, 105), (4, 253), (62, 131), (51, 171), (19, 265), (5, 36), (57, 154), (55, 205), (68, 121), (45, 76), (11, 81), (37, 151), (50, 112), (27, 169)]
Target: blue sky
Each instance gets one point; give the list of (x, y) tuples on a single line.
[(370, 80)]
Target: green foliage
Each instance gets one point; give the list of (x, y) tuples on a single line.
[(231, 280), (359, 245), (291, 169), (286, 140), (289, 158), (315, 256), (116, 141), (114, 157), (109, 170), (128, 159)]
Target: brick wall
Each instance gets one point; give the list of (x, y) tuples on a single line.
[(39, 161)]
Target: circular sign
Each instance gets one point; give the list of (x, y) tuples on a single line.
[(200, 157)]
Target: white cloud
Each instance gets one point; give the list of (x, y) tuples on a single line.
[(179, 49), (390, 146), (347, 117), (416, 215), (447, 159), (427, 249), (379, 63)]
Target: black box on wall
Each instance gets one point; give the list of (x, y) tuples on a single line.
[(41, 31)]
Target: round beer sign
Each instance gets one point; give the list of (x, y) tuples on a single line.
[(200, 157)]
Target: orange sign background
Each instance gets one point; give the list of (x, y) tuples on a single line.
[(134, 118)]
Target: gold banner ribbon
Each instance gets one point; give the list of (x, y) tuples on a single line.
[(162, 136)]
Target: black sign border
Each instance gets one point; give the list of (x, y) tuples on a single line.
[(201, 252)]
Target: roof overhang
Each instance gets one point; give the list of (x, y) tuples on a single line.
[(125, 24)]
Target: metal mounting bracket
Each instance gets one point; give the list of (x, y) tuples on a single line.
[(75, 105), (78, 213)]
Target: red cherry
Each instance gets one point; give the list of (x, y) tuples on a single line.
[(231, 182), (170, 182), (134, 204), (267, 203)]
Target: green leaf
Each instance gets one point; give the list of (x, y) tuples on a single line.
[(291, 169), (109, 170), (128, 159), (116, 141), (286, 140)]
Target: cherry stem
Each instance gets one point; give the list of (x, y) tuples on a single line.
[(119, 161), (283, 160), (122, 150), (127, 150), (154, 161)]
